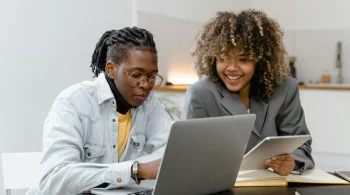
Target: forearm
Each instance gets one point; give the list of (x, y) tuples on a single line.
[(157, 154), (76, 178)]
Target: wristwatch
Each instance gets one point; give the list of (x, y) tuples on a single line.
[(135, 171)]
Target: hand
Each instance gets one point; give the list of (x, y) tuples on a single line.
[(282, 164), (149, 170)]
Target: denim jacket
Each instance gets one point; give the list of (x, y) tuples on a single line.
[(80, 139)]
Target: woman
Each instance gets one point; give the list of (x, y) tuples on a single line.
[(244, 69)]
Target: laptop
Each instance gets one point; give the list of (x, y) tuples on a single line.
[(202, 156)]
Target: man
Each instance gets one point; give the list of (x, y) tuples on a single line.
[(96, 132)]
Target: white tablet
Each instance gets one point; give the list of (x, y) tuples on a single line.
[(270, 147)]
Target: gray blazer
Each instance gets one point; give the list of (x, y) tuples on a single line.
[(281, 115)]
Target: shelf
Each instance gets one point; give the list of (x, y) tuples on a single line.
[(182, 88)]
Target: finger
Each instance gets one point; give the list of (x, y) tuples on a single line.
[(284, 157), (286, 167), (283, 173), (275, 166), (286, 163), (268, 161), (281, 170)]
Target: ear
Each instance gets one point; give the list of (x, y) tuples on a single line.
[(110, 69)]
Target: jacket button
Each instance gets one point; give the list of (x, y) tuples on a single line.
[(119, 180), (113, 146), (89, 153), (113, 120)]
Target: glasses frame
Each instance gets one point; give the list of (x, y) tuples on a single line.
[(141, 83)]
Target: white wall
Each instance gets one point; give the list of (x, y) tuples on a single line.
[(312, 29), (306, 14), (194, 10), (174, 25), (174, 38), (46, 46)]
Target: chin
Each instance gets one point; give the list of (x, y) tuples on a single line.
[(233, 88), (137, 103)]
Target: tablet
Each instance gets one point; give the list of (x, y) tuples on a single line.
[(270, 147), (343, 174)]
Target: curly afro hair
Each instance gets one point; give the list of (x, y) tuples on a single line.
[(255, 33)]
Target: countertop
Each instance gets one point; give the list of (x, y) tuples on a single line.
[(325, 86), (182, 88)]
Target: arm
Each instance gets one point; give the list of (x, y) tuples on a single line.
[(291, 121), (63, 170), (157, 130), (193, 107)]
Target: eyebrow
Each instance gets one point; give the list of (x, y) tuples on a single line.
[(244, 54), (142, 70)]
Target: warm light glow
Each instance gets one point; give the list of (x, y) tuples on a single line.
[(182, 77)]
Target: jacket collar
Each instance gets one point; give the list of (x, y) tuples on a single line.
[(104, 92), (233, 104)]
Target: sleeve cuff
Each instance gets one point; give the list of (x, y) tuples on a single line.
[(119, 174), (298, 168)]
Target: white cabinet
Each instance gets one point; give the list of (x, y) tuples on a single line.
[(327, 117)]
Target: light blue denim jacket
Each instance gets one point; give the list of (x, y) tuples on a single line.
[(80, 139)]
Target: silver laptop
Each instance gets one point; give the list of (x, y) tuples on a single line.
[(202, 156)]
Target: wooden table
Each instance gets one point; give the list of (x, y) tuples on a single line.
[(289, 190)]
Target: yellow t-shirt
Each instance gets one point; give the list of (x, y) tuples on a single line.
[(124, 126)]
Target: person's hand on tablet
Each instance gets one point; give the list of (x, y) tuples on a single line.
[(282, 164)]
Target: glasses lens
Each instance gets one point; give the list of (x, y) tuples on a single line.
[(158, 81), (137, 79), (134, 79)]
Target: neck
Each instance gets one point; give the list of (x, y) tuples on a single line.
[(122, 105)]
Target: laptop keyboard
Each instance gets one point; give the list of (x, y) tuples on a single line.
[(146, 192)]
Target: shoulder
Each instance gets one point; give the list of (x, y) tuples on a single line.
[(79, 90), (82, 96), (286, 91), (204, 85), (289, 85), (290, 82)]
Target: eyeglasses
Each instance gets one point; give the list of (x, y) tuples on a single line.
[(137, 79)]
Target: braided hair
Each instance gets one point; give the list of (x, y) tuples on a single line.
[(115, 44)]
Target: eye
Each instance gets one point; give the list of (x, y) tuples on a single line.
[(243, 59), (136, 75), (219, 59), (153, 77)]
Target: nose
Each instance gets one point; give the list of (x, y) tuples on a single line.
[(145, 84), (232, 65)]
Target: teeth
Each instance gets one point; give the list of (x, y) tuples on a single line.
[(233, 77)]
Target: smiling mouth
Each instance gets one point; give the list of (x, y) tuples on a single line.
[(233, 78)]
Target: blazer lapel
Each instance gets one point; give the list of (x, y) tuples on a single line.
[(259, 108), (231, 102)]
